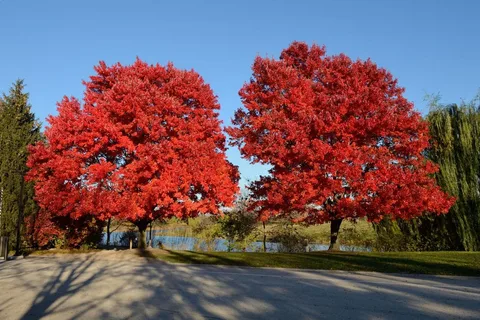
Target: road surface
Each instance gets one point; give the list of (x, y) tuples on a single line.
[(89, 287)]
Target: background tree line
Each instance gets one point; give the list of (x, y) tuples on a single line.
[(454, 146)]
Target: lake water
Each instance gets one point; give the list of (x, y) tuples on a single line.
[(195, 244)]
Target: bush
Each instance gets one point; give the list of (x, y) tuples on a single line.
[(42, 231), (64, 231), (124, 239), (238, 226), (288, 239), (352, 236), (88, 246), (207, 229), (391, 238), (60, 243)]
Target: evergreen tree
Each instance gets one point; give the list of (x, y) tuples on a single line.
[(18, 129)]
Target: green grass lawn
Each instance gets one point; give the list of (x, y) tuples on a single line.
[(60, 251), (441, 263)]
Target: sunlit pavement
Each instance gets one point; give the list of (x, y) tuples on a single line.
[(88, 287)]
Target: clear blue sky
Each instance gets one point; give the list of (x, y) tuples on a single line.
[(430, 46)]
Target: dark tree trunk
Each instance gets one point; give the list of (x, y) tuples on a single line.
[(21, 206), (142, 234), (108, 231), (142, 238), (334, 229), (264, 238), (1, 208), (33, 243), (150, 240)]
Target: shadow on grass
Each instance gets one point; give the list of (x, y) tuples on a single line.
[(145, 253), (194, 257), (331, 261), (359, 262)]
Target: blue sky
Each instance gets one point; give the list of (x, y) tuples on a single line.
[(430, 46)]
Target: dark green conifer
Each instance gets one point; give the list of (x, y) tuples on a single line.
[(18, 129)]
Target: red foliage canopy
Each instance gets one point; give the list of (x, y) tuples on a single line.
[(342, 140), (146, 144)]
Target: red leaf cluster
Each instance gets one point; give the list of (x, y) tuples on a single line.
[(146, 144), (342, 140), (44, 229)]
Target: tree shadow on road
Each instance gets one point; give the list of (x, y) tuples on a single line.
[(143, 288), (58, 288)]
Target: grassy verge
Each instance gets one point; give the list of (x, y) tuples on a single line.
[(441, 263), (60, 251), (438, 263)]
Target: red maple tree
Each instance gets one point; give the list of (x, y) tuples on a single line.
[(341, 140), (146, 144)]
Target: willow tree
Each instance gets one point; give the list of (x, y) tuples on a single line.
[(455, 134), (455, 147)]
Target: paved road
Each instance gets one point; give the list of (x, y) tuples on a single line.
[(88, 287)]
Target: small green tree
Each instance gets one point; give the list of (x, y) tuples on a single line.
[(205, 228), (238, 224), (289, 240)]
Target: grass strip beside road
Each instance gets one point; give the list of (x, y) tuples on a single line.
[(437, 263)]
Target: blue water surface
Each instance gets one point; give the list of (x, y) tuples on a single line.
[(220, 245)]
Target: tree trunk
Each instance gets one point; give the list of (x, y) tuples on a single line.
[(108, 231), (150, 240), (1, 207), (32, 231), (264, 238), (334, 228), (20, 216), (142, 234), (142, 238), (4, 248)]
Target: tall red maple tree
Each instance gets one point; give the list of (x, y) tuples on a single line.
[(145, 144), (341, 140)]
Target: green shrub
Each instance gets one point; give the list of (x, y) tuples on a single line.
[(288, 238), (238, 227), (124, 240), (207, 229), (60, 243), (88, 246), (353, 235)]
